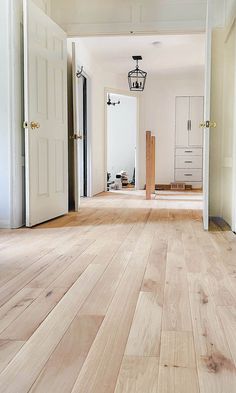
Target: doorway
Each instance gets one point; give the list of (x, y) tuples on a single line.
[(83, 132), (121, 141), (79, 128)]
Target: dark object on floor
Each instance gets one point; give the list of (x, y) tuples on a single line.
[(177, 186), (108, 181), (168, 187), (133, 180)]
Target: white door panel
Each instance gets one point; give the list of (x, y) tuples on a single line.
[(45, 74), (182, 118)]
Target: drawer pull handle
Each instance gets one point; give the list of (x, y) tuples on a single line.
[(188, 174), (188, 151), (188, 162)]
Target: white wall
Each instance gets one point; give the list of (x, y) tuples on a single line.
[(230, 10), (45, 5), (121, 135), (157, 106), (98, 81)]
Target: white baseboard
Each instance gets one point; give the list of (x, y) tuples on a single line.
[(4, 224)]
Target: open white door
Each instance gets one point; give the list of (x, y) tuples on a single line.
[(207, 112), (77, 99), (80, 130), (45, 79)]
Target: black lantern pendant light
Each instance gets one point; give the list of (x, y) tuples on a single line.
[(137, 77)]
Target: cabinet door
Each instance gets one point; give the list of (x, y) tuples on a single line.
[(181, 121), (196, 117)]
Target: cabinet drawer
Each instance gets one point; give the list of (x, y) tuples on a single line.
[(189, 151), (188, 175), (190, 162)]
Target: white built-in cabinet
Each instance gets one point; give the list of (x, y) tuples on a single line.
[(188, 140)]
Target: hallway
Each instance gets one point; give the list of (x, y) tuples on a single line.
[(121, 297)]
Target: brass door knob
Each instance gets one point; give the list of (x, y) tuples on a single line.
[(208, 124), (34, 125)]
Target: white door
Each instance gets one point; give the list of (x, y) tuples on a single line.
[(78, 127), (207, 113), (45, 79)]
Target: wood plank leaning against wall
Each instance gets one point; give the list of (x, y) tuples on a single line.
[(150, 164)]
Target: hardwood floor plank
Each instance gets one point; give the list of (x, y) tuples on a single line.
[(177, 349), (228, 320), (61, 263), (63, 366), (22, 328), (23, 370), (91, 300), (102, 294), (106, 353), (216, 368), (16, 306), (138, 375), (176, 309), (154, 277), (178, 380), (74, 270), (144, 337), (8, 349), (21, 280)]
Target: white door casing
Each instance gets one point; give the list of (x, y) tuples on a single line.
[(207, 113), (45, 88), (228, 140)]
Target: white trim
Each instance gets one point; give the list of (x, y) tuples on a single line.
[(229, 29), (10, 28), (137, 155), (138, 33), (26, 106), (89, 136), (207, 109), (17, 161), (234, 151)]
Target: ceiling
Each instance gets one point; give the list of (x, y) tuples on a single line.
[(169, 53)]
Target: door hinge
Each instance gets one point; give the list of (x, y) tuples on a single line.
[(25, 124), (76, 136)]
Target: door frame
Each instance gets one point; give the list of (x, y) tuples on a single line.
[(137, 153), (89, 122), (207, 113), (17, 213), (89, 135), (228, 32)]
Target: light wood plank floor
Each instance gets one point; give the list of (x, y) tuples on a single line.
[(122, 297)]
